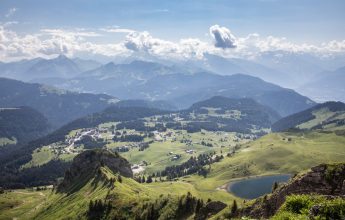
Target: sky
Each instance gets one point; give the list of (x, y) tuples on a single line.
[(169, 28)]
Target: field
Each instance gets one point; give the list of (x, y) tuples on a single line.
[(276, 153), (4, 141), (160, 153)]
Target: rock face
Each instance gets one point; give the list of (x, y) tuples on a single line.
[(323, 180), (86, 164)]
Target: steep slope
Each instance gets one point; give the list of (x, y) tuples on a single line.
[(58, 106), (86, 164), (22, 124), (326, 86), (99, 186), (329, 115)]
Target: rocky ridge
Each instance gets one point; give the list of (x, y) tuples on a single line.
[(88, 163)]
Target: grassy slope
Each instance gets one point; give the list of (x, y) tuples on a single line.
[(321, 115), (22, 204), (40, 156), (298, 207), (272, 154), (125, 196)]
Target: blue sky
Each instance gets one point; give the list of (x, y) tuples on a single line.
[(298, 20), (294, 25)]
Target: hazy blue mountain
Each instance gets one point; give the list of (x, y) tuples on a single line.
[(229, 66), (46, 70), (300, 67), (61, 67), (157, 104), (250, 109), (326, 86), (184, 90), (85, 65), (15, 70), (114, 78), (154, 81), (58, 106)]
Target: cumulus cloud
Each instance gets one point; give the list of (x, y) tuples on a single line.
[(49, 42), (185, 48), (223, 37), (137, 41)]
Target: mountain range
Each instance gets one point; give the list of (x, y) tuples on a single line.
[(153, 81), (327, 85), (58, 106), (311, 75)]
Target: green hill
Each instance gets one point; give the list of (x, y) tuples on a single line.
[(103, 189), (329, 115), (250, 110), (21, 125)]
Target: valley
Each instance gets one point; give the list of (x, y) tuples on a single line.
[(154, 110), (288, 152), (135, 157)]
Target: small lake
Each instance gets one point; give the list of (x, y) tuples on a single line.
[(255, 187)]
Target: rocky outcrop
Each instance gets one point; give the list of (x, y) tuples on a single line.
[(323, 180), (88, 163)]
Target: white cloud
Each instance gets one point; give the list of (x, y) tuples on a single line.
[(117, 30), (50, 42), (185, 48), (10, 12), (223, 37)]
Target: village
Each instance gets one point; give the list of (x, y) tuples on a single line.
[(130, 143)]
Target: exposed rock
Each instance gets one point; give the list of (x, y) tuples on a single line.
[(323, 180), (210, 209), (86, 164)]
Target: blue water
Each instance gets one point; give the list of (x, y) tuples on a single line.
[(255, 187)]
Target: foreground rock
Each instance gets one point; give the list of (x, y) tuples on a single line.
[(323, 180), (86, 164)]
